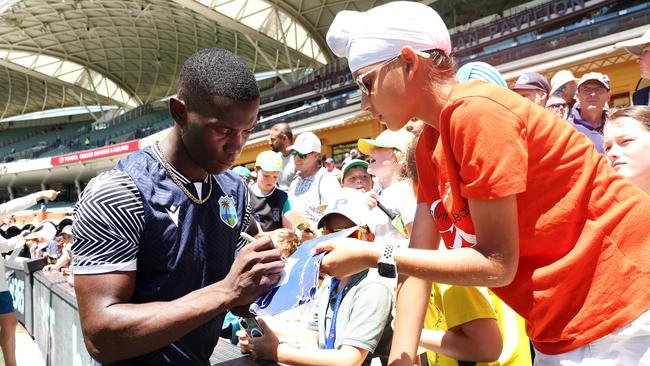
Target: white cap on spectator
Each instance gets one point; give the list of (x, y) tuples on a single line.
[(380, 33), (67, 230), (350, 203), (45, 232), (601, 78), (399, 140), (635, 46), (269, 161), (306, 143), (560, 78)]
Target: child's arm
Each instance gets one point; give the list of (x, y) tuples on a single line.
[(268, 347), (289, 324), (344, 356), (63, 261), (477, 340)]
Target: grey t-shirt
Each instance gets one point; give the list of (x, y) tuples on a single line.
[(288, 172), (363, 319)]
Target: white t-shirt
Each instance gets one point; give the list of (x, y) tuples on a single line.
[(309, 194), (399, 198)]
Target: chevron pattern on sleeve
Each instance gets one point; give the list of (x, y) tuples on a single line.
[(246, 220), (108, 222)]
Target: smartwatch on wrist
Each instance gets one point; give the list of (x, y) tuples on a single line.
[(386, 265)]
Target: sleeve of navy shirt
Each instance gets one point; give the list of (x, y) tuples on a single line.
[(108, 222), (246, 221)]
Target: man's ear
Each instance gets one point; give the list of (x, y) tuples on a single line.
[(178, 111)]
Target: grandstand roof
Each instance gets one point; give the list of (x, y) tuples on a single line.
[(58, 53)]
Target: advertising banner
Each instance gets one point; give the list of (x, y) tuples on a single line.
[(123, 148)]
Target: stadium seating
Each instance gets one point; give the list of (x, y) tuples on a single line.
[(32, 142)]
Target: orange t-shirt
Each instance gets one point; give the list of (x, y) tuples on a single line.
[(584, 233)]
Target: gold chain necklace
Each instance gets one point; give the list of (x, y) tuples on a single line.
[(180, 184)]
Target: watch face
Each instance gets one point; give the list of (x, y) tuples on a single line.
[(387, 270)]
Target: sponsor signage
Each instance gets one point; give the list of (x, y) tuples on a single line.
[(525, 19), (102, 152), (16, 283)]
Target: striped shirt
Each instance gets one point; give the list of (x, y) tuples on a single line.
[(109, 219)]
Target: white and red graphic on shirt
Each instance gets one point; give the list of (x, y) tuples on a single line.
[(453, 236)]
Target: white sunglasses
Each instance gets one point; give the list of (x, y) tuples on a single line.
[(359, 79)]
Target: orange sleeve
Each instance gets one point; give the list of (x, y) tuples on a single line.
[(426, 190), (489, 143)]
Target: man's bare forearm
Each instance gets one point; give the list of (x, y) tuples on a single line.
[(126, 330)]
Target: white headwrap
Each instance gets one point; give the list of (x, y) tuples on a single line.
[(378, 34)]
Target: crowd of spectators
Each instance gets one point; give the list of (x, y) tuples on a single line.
[(296, 194), (380, 172)]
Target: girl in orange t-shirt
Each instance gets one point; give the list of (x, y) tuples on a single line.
[(528, 205)]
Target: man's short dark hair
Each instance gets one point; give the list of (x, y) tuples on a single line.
[(216, 72), (284, 129)]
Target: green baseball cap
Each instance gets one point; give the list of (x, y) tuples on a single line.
[(242, 171), (351, 164)]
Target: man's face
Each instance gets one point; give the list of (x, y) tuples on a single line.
[(567, 91), (214, 133), (266, 181), (556, 105), (536, 96), (306, 163), (644, 62), (358, 178), (593, 95), (277, 141)]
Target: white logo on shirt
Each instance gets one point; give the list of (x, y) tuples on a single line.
[(173, 212)]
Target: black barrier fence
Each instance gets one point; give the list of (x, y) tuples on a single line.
[(46, 305), (19, 283)]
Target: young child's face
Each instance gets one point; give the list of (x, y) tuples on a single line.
[(337, 222), (382, 162)]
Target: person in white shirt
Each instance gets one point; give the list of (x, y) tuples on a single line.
[(280, 137), (394, 219), (8, 319), (314, 187)]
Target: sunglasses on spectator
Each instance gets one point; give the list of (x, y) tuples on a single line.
[(557, 105), (359, 79), (597, 90), (357, 234), (301, 156)]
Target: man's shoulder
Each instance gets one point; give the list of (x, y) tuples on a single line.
[(640, 97), (110, 182), (135, 161), (230, 182)]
